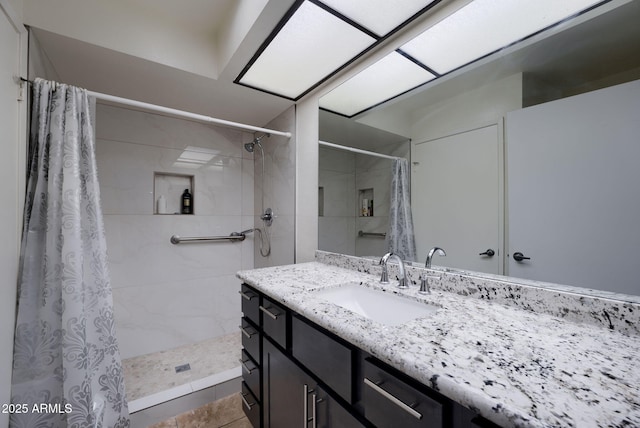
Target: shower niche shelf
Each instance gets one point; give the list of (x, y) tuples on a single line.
[(365, 202), (171, 186)]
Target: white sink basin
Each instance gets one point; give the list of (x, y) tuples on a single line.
[(380, 306)]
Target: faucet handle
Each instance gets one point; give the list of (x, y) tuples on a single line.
[(424, 283), (384, 278)]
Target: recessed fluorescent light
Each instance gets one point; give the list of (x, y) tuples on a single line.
[(378, 16), (392, 75), (312, 45), (484, 26)]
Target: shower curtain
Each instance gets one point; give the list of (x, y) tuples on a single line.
[(400, 239), (67, 370)]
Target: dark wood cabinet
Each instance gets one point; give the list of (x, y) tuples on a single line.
[(294, 399), (275, 321), (297, 374), (326, 357), (285, 403), (391, 402)]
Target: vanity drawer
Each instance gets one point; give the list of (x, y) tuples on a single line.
[(274, 321), (250, 303), (251, 374), (391, 402), (250, 339), (250, 406), (324, 356)]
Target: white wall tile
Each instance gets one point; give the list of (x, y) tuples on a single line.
[(168, 295)]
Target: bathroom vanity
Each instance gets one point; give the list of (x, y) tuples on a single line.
[(483, 358)]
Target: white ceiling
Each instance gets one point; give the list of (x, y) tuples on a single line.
[(105, 56), (109, 47)]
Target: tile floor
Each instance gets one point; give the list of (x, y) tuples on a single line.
[(224, 413), (148, 374), (153, 377)]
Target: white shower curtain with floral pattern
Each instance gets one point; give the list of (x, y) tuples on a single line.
[(67, 370), (400, 238)]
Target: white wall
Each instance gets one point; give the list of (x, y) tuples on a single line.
[(169, 295), (482, 106), (130, 28), (12, 171), (307, 134)]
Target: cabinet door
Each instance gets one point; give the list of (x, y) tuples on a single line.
[(285, 398), (325, 357), (328, 413)]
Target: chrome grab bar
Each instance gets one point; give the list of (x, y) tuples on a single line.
[(235, 236), (377, 234)]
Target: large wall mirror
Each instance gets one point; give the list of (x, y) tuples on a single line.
[(523, 163)]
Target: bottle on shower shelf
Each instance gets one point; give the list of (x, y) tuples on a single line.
[(187, 202)]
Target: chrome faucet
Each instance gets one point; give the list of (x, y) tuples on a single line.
[(424, 278), (384, 279)]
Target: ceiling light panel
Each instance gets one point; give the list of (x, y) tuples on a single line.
[(484, 26), (312, 45), (391, 76), (378, 16)]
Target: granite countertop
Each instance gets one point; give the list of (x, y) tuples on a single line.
[(515, 367)]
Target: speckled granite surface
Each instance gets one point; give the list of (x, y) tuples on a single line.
[(535, 366)]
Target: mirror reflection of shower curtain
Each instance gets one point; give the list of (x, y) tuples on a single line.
[(66, 355), (400, 237)]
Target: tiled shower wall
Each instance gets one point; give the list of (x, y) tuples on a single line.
[(279, 188), (169, 295), (342, 175)]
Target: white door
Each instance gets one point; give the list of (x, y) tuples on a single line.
[(573, 180), (456, 198)]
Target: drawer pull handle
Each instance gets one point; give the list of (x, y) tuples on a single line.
[(246, 296), (245, 332), (246, 403), (268, 312), (245, 366), (393, 399)]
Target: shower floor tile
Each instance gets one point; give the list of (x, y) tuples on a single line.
[(152, 373)]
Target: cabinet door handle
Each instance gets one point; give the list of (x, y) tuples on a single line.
[(268, 312), (313, 411), (245, 402), (245, 366), (393, 399), (305, 409), (246, 296), (245, 332)]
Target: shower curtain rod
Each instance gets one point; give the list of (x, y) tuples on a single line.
[(353, 149), (179, 113)]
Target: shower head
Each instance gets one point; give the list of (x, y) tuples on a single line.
[(256, 142)]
